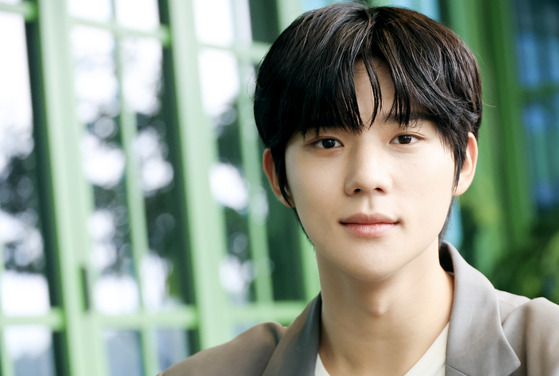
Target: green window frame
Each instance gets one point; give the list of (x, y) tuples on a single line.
[(196, 236)]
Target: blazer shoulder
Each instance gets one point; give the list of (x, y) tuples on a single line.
[(247, 354), (538, 311), (532, 328)]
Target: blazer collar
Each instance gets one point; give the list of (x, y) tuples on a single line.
[(476, 341)]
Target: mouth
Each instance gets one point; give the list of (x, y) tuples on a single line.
[(369, 226)]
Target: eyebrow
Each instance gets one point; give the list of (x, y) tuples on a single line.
[(414, 117)]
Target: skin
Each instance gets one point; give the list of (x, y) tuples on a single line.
[(373, 204)]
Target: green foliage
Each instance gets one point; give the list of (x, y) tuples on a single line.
[(532, 268)]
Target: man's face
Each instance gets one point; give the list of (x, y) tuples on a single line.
[(373, 203)]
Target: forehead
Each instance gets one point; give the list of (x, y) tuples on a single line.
[(387, 108), (354, 99), (364, 89)]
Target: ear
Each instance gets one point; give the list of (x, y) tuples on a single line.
[(468, 167), (270, 171)]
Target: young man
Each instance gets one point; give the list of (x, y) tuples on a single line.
[(370, 117)]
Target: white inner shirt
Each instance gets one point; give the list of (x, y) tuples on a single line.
[(432, 363)]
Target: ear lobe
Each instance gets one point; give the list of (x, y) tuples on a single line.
[(270, 171), (468, 170)]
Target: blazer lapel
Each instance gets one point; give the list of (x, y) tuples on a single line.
[(296, 352), (476, 341)]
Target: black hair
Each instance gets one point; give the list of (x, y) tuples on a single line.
[(306, 80)]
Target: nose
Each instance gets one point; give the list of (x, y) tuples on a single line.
[(368, 171)]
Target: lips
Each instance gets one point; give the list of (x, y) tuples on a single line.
[(369, 225)]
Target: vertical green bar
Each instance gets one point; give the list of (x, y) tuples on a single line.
[(519, 206), (481, 199), (60, 137), (257, 224), (138, 228), (6, 364), (134, 197), (198, 153), (136, 214)]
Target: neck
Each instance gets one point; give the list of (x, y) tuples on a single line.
[(383, 326)]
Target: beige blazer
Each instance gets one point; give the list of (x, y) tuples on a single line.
[(491, 333)]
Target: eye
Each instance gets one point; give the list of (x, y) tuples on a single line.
[(328, 143), (405, 139)]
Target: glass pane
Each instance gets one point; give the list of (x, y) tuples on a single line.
[(138, 14), (142, 75), (548, 15), (31, 351), (537, 122), (96, 84), (538, 41), (315, 4), (99, 10), (427, 7), (21, 239), (163, 270), (528, 46), (553, 150), (115, 287), (264, 20), (537, 26), (173, 345), (215, 22), (123, 353), (219, 75)]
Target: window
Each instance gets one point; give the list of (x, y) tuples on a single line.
[(537, 47), (136, 225)]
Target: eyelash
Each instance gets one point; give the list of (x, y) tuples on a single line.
[(398, 138), (335, 143), (320, 143)]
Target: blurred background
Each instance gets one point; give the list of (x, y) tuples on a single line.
[(136, 226)]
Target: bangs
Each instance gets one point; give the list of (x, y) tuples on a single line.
[(429, 82), (338, 108)]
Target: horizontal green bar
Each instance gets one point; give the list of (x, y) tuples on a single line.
[(54, 320), (282, 312), (183, 317), (253, 52), (161, 34), (27, 10)]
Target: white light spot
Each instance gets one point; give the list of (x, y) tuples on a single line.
[(236, 276), (155, 271), (27, 341), (155, 171), (103, 163), (116, 295), (219, 76), (229, 187), (24, 294)]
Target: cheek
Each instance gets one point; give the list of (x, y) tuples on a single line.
[(314, 189), (431, 185), (309, 184)]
